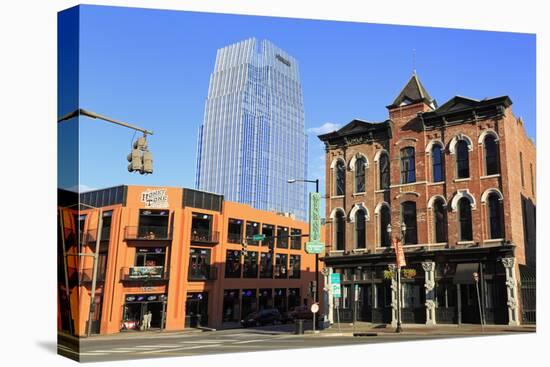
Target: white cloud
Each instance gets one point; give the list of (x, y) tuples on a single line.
[(327, 127)]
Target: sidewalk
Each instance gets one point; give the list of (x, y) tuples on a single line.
[(369, 329)]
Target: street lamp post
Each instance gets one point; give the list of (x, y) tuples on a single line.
[(316, 295)]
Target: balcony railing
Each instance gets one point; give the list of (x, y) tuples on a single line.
[(203, 274), (147, 233), (144, 273), (202, 236)]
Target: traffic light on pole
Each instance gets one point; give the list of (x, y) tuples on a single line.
[(141, 159), (244, 249)]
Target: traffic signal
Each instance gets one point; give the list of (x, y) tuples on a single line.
[(244, 248), (312, 287), (140, 158)]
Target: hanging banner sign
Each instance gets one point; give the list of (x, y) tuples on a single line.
[(399, 253)]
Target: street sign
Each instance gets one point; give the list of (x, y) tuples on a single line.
[(336, 290), (315, 247), (258, 237), (335, 285), (356, 293), (315, 308), (314, 217)]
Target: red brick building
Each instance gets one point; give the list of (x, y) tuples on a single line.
[(458, 181)]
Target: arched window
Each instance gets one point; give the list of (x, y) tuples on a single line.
[(408, 173), (408, 216), (385, 219), (438, 174), (384, 167), (360, 174), (360, 229), (464, 220), (462, 160), (491, 155), (340, 230), (340, 178), (494, 212), (440, 221)]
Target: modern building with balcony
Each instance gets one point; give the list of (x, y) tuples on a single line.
[(178, 254), (253, 138), (456, 185)]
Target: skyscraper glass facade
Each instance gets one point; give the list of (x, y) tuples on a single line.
[(253, 136)]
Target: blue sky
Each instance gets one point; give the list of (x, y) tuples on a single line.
[(151, 68)]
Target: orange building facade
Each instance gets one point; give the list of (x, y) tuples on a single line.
[(172, 258)]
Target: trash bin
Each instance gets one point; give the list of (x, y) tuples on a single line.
[(299, 326)]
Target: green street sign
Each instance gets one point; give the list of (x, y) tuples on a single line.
[(335, 285), (314, 217), (258, 237), (315, 247), (336, 290)]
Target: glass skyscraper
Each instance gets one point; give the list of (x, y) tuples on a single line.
[(253, 136)]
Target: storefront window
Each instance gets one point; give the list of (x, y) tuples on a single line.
[(252, 228), (346, 296), (266, 265), (293, 298), (249, 303), (230, 305), (199, 264), (233, 264), (411, 295), (250, 267), (279, 300), (269, 231), (281, 265), (235, 231), (153, 224), (282, 237), (265, 299), (295, 241), (294, 270)]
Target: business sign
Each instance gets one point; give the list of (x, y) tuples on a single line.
[(157, 198), (314, 247), (314, 217)]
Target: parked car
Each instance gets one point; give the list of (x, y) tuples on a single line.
[(298, 313), (263, 317)]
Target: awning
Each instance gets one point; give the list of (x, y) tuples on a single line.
[(464, 273)]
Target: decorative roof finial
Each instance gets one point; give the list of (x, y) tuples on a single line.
[(414, 61)]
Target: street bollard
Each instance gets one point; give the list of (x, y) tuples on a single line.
[(299, 326)]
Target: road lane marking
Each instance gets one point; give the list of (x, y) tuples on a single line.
[(160, 351)]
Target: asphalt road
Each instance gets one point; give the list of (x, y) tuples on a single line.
[(226, 341)]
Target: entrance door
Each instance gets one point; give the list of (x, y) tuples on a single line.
[(196, 309), (364, 311), (469, 304)]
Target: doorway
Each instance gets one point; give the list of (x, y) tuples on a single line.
[(469, 304), (137, 306), (196, 309)]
